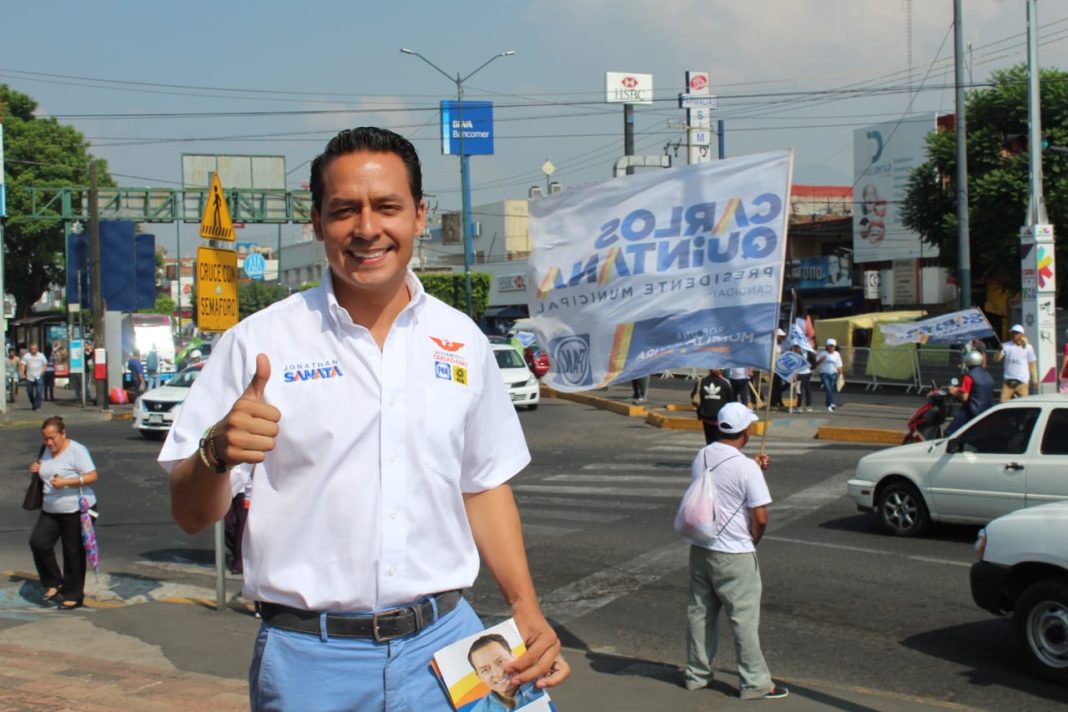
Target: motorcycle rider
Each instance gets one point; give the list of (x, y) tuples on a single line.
[(976, 391)]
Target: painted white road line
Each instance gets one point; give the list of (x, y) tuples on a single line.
[(608, 479), (583, 504), (546, 530), (785, 449), (867, 550), (601, 588), (600, 491), (570, 515), (632, 467)]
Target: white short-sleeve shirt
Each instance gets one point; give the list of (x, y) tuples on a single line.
[(832, 362), (35, 365), (740, 486), (1017, 361), (360, 504), (739, 373), (74, 461)]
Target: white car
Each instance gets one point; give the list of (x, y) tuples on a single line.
[(1014, 455), (154, 411), (521, 383), (1023, 570)]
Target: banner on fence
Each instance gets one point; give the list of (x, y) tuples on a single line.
[(678, 268), (955, 328)]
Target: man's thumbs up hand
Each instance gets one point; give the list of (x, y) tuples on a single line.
[(250, 428)]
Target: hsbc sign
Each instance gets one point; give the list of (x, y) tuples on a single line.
[(628, 88)]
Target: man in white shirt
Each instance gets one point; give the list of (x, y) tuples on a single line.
[(830, 366), (33, 366), (383, 439), (724, 573), (739, 377), (1021, 373)]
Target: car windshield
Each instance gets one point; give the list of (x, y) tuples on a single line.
[(185, 378), (508, 358)]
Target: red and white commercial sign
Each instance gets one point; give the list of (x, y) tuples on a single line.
[(512, 283), (628, 88)]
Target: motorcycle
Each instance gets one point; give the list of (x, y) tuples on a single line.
[(926, 423)]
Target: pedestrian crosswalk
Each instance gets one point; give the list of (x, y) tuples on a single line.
[(648, 472)]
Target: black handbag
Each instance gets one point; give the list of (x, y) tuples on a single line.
[(34, 498)]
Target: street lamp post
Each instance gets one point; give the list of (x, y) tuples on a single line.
[(465, 186)]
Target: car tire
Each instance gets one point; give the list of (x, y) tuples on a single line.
[(1041, 620), (902, 510), (153, 434)]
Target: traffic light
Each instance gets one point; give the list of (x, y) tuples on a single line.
[(1017, 143)]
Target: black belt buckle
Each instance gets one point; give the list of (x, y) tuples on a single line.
[(395, 614)]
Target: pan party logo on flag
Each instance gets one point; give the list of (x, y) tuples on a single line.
[(643, 242)]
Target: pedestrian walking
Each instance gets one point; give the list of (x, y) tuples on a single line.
[(137, 372), (739, 378), (67, 471), (1021, 370), (724, 572), (12, 369), (48, 382), (383, 440), (710, 395), (640, 388), (803, 380), (32, 368), (830, 366), (152, 368)]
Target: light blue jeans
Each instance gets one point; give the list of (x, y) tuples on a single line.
[(728, 582), (830, 385), (315, 673)]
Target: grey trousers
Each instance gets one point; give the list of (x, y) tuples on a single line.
[(730, 582)]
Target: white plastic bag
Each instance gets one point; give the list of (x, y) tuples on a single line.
[(696, 518)]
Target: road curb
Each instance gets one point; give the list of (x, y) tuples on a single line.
[(873, 436), (631, 411)]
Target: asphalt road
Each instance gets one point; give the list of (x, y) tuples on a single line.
[(843, 602)]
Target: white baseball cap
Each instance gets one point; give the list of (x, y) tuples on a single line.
[(780, 332), (832, 342), (734, 418), (1016, 328)]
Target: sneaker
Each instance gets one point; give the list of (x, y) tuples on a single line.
[(776, 693)]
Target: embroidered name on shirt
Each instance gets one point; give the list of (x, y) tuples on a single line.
[(314, 371)]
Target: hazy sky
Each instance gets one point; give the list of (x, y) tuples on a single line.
[(281, 78)]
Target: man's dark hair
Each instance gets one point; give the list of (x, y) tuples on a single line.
[(485, 640), (367, 138)]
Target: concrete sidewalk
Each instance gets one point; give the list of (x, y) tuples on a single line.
[(161, 656), (19, 414)]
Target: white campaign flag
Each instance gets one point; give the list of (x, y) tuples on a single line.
[(676, 268), (954, 328)]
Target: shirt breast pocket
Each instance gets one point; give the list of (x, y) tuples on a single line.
[(445, 410)]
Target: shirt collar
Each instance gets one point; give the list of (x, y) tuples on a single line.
[(339, 316)]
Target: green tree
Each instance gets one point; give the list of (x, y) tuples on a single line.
[(451, 289), (38, 153), (255, 295), (997, 179), (164, 305)]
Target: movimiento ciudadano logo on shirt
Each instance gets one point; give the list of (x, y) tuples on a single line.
[(570, 355), (311, 371)]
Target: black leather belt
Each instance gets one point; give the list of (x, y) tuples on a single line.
[(382, 626)]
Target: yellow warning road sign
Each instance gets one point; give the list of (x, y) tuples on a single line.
[(216, 289), (215, 222)]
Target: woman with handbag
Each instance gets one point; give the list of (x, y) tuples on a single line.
[(66, 470)]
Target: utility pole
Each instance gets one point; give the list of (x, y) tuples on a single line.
[(98, 301), (1037, 261), (3, 305), (964, 250), (628, 134)]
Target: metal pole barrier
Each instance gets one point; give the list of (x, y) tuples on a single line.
[(220, 568)]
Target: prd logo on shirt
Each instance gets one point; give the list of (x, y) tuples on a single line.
[(450, 372), (311, 371)]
